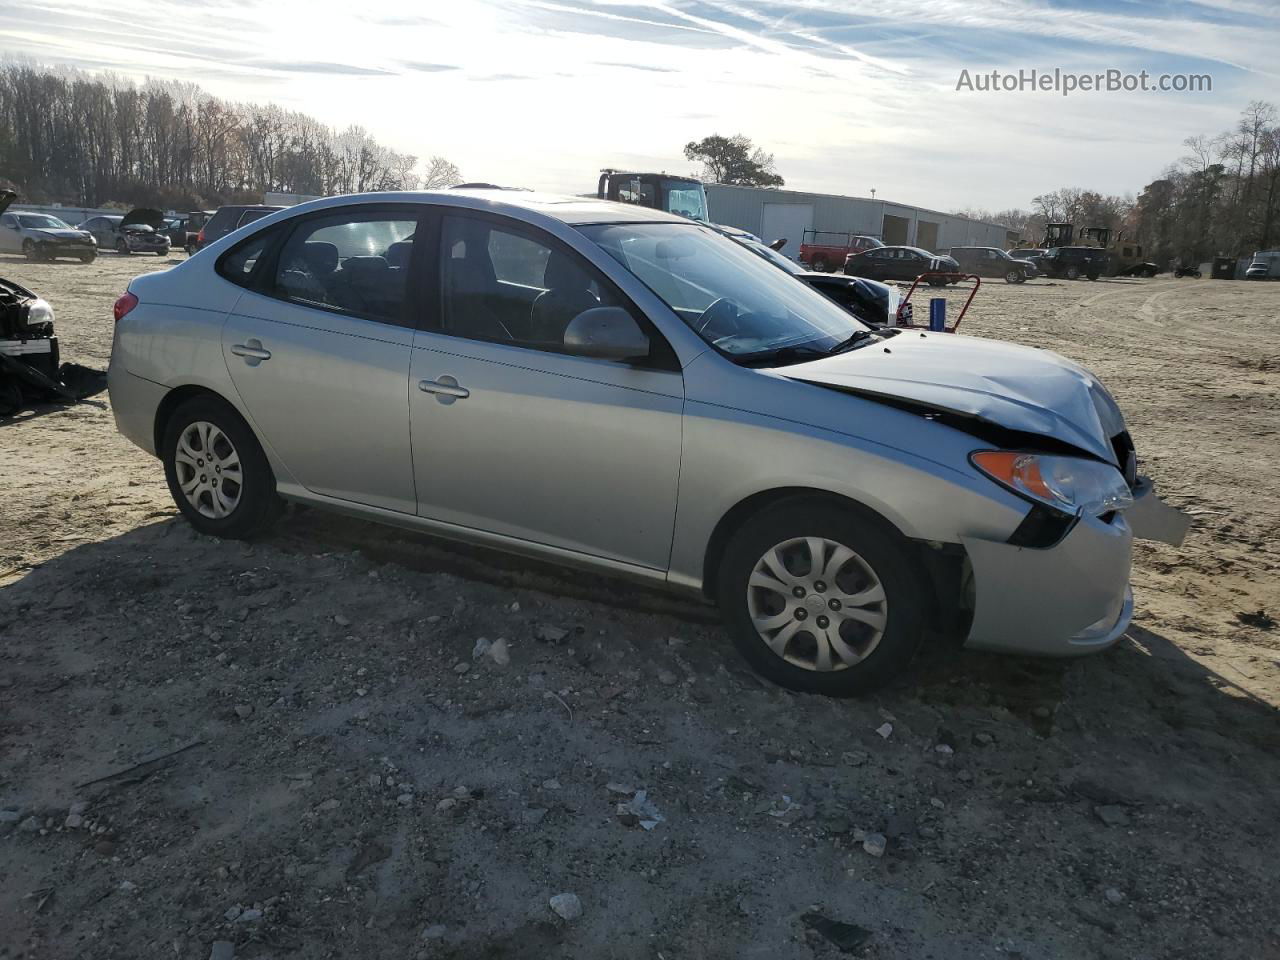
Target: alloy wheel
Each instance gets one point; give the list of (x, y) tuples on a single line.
[(817, 604), (208, 470)]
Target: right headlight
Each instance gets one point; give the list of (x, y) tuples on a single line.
[(39, 311), (1070, 484)]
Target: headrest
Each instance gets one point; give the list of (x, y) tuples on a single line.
[(365, 268), (320, 257), (562, 272), (398, 253)]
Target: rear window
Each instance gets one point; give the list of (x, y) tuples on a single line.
[(221, 222)]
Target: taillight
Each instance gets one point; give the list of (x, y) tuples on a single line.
[(200, 239), (124, 305)]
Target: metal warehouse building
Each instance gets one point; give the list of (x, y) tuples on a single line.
[(773, 214)]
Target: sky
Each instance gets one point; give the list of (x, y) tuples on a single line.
[(848, 97)]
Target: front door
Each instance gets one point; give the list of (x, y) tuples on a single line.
[(320, 350), (515, 436)]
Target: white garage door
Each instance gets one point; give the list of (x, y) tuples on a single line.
[(786, 220)]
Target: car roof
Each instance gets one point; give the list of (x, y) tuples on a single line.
[(574, 211)]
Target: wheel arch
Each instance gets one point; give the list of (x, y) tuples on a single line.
[(940, 569), (180, 395), (762, 500)]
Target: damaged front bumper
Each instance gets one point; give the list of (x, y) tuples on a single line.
[(1069, 599)]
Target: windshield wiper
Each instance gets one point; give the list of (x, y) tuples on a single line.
[(854, 340)]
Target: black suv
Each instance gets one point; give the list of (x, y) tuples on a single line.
[(231, 218), (993, 262), (1072, 263)]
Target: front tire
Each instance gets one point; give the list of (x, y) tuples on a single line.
[(1073, 272), (122, 247), (88, 257), (820, 264), (1013, 276), (821, 599), (217, 473)]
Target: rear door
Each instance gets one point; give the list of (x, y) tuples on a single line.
[(513, 435), (319, 348)]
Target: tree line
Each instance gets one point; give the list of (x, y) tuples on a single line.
[(69, 137), (1221, 198)]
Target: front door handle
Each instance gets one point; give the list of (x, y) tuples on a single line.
[(446, 389), (252, 352)]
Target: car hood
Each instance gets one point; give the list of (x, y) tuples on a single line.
[(60, 233), (143, 215), (1014, 387)]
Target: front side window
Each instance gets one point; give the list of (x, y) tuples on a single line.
[(502, 284), (353, 262), (727, 295)]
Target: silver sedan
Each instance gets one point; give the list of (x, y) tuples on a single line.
[(627, 391)]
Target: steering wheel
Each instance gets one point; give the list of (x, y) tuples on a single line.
[(720, 309)]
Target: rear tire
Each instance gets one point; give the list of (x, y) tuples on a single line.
[(29, 250), (216, 470), (869, 618), (820, 264), (88, 258), (1073, 272)]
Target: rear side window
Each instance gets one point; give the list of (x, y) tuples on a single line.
[(251, 215), (221, 222), (240, 263), (354, 262)]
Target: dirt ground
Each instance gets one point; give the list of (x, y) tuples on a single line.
[(356, 782)]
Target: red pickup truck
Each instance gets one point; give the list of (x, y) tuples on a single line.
[(824, 250)]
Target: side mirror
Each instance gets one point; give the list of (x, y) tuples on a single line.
[(609, 333)]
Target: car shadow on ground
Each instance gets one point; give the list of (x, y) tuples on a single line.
[(89, 381), (1148, 673)]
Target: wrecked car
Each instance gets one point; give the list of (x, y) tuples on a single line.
[(871, 301), (142, 230), (623, 390), (30, 371), (40, 236)]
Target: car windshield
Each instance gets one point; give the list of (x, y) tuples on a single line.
[(686, 200), (40, 221), (729, 296)]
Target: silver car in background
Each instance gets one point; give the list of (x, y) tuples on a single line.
[(41, 236), (624, 390)]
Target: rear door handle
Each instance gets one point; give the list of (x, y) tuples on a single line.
[(252, 352), (446, 389)]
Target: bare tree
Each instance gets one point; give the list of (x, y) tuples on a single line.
[(440, 173), (79, 138)]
